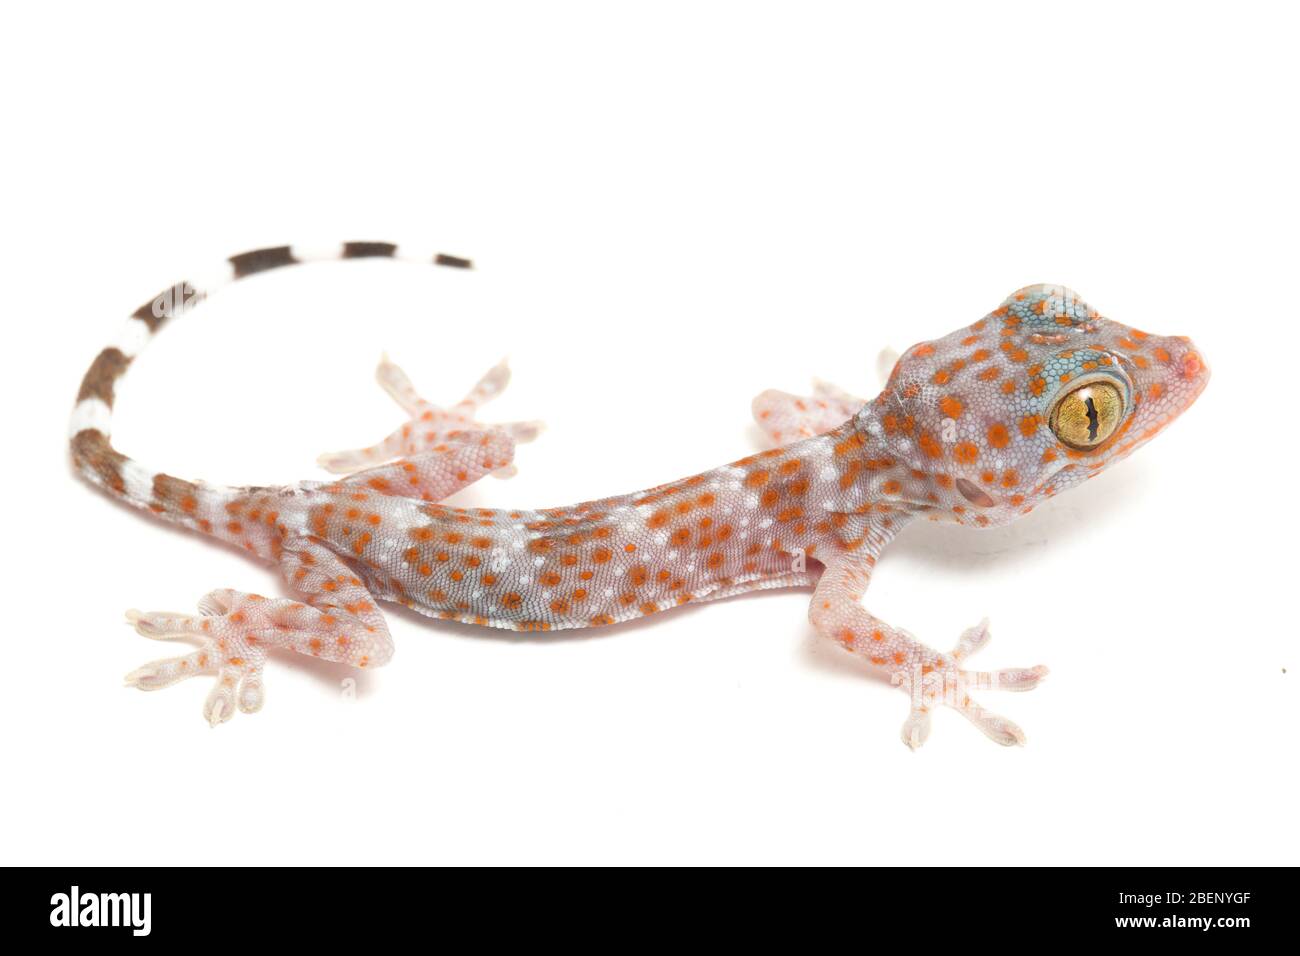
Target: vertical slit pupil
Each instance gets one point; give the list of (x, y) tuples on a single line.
[(1093, 421)]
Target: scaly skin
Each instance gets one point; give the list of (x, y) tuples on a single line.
[(963, 432)]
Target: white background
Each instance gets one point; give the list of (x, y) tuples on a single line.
[(672, 207)]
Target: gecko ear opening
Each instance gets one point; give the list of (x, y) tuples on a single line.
[(974, 493)]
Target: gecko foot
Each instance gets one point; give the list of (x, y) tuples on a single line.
[(936, 679), (430, 426), (236, 664), (234, 631)]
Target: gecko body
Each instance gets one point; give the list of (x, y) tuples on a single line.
[(975, 428)]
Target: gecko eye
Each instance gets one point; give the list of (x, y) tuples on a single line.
[(1088, 415)]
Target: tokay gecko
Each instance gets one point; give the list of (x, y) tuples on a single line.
[(975, 428)]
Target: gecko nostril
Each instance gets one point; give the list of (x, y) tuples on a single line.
[(974, 493)]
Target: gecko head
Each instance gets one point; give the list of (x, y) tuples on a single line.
[(1040, 394)]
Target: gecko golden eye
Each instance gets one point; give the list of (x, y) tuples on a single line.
[(1087, 416)]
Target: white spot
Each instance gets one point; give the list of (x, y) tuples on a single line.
[(132, 337), (91, 413), (213, 277), (138, 482), (409, 253), (317, 252)]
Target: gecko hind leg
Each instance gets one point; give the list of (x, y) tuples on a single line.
[(429, 425), (235, 630), (459, 460), (787, 418)]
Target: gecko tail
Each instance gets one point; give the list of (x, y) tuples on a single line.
[(90, 428)]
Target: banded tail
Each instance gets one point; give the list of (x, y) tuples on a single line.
[(90, 429)]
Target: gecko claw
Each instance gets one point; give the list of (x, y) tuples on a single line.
[(219, 708), (916, 729)]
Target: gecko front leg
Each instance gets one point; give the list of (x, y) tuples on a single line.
[(929, 678), (786, 418), (339, 622)]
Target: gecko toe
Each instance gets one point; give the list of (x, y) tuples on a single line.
[(916, 729), (997, 729)]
